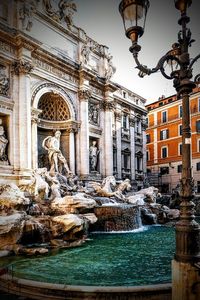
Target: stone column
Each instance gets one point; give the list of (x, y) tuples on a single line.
[(107, 106), (144, 163), (84, 95), (34, 136), (22, 69), (118, 117), (72, 151), (132, 139)]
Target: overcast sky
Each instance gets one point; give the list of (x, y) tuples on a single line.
[(102, 22)]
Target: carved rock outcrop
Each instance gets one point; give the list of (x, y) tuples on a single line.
[(11, 198), (73, 204), (11, 230), (66, 226)]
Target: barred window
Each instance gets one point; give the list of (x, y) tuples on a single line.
[(53, 108)]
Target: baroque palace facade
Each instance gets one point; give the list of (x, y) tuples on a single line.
[(54, 77), (164, 141)]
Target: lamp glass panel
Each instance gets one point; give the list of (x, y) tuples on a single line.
[(133, 12)]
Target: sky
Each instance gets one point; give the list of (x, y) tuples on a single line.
[(101, 21)]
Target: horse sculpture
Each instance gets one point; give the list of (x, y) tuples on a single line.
[(106, 188)]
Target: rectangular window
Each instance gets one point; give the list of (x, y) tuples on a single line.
[(164, 170), (179, 168), (164, 116), (124, 120), (148, 138), (180, 149), (199, 105), (198, 126), (198, 166), (164, 152), (148, 155), (164, 134), (180, 129), (198, 187), (180, 113), (198, 145)]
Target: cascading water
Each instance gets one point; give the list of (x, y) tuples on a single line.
[(117, 217)]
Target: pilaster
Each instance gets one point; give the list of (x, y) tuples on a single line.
[(34, 136), (132, 140), (107, 106), (84, 95), (118, 117), (21, 71), (144, 127)]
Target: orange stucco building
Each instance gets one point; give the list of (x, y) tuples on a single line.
[(164, 141)]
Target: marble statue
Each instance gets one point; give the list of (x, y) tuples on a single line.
[(67, 9), (111, 69), (26, 13), (4, 81), (3, 143), (85, 54), (56, 158), (94, 152), (93, 114)]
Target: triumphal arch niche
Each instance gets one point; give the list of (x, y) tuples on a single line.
[(55, 113)]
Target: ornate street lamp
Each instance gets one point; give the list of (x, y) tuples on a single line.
[(187, 255)]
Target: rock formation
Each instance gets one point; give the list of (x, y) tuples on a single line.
[(56, 211)]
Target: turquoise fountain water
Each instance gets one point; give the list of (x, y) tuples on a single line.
[(141, 257)]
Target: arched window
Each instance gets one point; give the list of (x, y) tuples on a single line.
[(53, 108)]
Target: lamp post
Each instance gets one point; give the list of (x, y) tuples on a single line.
[(186, 263)]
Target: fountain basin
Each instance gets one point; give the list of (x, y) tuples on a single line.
[(132, 265)]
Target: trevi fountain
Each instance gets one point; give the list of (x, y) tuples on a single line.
[(58, 229)]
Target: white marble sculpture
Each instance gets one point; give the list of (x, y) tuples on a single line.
[(56, 159), (94, 152), (3, 143)]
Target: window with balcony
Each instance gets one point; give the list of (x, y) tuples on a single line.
[(164, 152), (164, 116), (179, 168), (164, 134)]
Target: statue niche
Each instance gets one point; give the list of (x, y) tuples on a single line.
[(53, 147), (3, 144)]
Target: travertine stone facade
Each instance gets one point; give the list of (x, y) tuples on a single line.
[(54, 77)]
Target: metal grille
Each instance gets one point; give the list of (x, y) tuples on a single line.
[(53, 108)]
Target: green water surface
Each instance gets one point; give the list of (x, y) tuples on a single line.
[(117, 259)]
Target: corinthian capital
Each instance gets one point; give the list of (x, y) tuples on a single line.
[(107, 105), (22, 66), (84, 94)]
